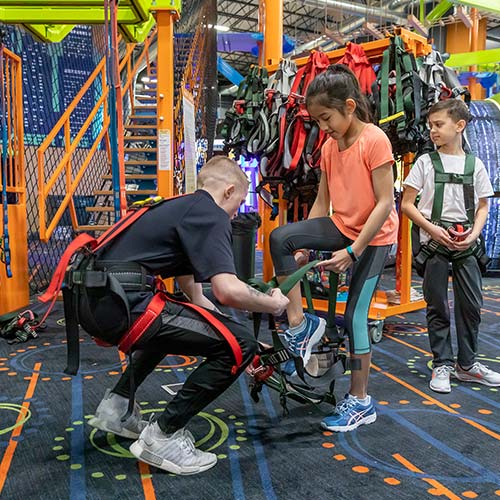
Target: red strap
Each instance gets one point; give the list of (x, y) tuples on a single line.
[(143, 322), (154, 309), (221, 328), (58, 277)]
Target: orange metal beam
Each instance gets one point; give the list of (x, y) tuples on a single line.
[(271, 26), (165, 101), (14, 291)]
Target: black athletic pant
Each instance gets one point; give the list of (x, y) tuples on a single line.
[(185, 332), (468, 302), (322, 234)]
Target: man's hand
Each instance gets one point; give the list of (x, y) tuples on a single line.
[(339, 263), (280, 301)]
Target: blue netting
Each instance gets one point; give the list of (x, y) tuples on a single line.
[(483, 134)]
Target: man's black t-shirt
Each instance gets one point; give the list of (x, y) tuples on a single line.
[(186, 235)]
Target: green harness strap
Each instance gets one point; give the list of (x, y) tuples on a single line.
[(441, 178)]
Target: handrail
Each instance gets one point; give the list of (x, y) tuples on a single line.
[(70, 146)]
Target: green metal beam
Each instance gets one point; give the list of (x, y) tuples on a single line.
[(485, 5), (49, 33), (479, 58), (438, 11), (137, 33)]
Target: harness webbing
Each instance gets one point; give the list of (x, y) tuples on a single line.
[(5, 145), (441, 178)]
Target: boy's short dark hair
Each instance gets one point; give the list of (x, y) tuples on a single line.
[(455, 108)]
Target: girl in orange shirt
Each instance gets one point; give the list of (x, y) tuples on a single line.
[(357, 182)]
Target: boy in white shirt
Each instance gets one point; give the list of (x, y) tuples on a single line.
[(451, 214)]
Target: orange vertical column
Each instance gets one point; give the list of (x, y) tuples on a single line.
[(461, 39), (165, 18), (14, 291), (271, 25)]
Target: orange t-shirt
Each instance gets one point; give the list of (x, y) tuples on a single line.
[(349, 177)]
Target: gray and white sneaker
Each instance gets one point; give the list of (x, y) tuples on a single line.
[(477, 373), (109, 413), (440, 381), (174, 453)]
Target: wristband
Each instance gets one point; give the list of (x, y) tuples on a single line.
[(351, 253)]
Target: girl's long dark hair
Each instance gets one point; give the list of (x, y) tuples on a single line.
[(334, 86)]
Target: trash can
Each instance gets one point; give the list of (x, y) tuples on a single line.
[(244, 228)]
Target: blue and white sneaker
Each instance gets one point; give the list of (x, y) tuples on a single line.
[(304, 341), (349, 414)]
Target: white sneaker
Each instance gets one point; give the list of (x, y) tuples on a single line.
[(440, 381), (174, 453), (478, 373), (109, 413)]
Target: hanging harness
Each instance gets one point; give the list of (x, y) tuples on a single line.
[(95, 297), (456, 229), (246, 112), (5, 257), (400, 98)]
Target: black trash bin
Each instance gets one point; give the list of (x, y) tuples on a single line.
[(244, 238)]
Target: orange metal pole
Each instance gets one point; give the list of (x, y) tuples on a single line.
[(272, 29), (14, 291), (165, 100)]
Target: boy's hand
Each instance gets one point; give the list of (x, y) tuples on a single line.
[(339, 263), (442, 236), (464, 244)]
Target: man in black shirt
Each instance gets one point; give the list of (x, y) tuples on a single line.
[(188, 237)]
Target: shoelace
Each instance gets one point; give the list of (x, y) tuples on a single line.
[(443, 370), (187, 442), (345, 405)]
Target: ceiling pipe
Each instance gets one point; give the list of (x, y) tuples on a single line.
[(362, 10)]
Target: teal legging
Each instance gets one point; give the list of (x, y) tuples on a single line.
[(322, 234)]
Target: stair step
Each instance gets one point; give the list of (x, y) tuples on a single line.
[(97, 227), (145, 106), (99, 209), (140, 127), (140, 138), (128, 192), (140, 150), (143, 117), (145, 97), (133, 176), (139, 162)]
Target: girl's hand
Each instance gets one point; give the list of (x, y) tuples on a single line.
[(339, 263), (442, 236), (301, 257)]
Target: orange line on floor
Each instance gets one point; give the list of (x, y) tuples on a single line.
[(11, 448), (415, 390), (406, 344), (440, 488), (480, 427), (145, 472)]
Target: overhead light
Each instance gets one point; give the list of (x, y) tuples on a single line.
[(218, 27), (145, 79)]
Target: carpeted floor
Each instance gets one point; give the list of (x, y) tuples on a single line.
[(423, 445)]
